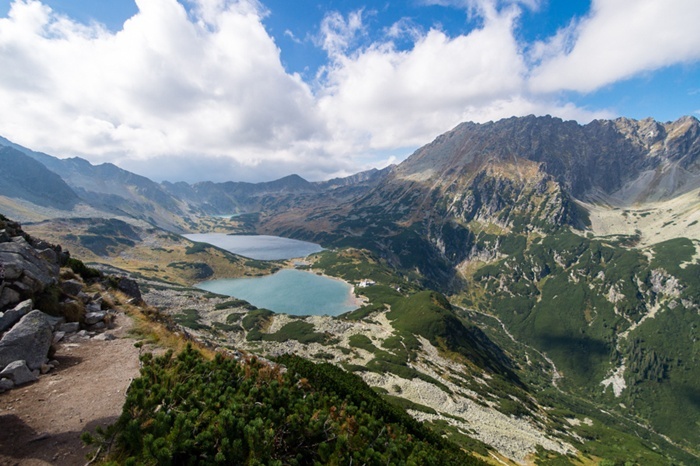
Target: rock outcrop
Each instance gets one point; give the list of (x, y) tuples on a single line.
[(29, 340), (39, 308)]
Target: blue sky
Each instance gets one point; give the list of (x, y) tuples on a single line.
[(254, 90)]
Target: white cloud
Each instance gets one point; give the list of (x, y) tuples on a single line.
[(337, 33), (617, 40), (383, 97), (208, 83), (202, 94)]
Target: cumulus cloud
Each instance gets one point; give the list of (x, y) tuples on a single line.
[(338, 33), (384, 97), (617, 40), (201, 93), (208, 83)]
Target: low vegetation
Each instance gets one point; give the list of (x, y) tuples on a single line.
[(189, 410)]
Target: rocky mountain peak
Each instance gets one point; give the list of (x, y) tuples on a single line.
[(599, 160)]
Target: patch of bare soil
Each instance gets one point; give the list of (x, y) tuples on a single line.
[(41, 423)]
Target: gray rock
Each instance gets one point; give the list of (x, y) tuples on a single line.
[(72, 287), (12, 271), (8, 297), (93, 307), (70, 327), (97, 327), (50, 255), (81, 335), (29, 340), (83, 296), (57, 336), (4, 237), (21, 288), (18, 372), (130, 288), (105, 337), (6, 384), (94, 317), (11, 317), (45, 368), (55, 321), (34, 270)]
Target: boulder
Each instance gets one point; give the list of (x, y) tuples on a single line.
[(94, 317), (18, 372), (105, 337), (93, 307), (97, 327), (72, 287), (29, 340), (130, 288), (6, 384), (70, 327), (49, 254), (23, 262), (58, 336), (11, 317), (55, 321), (8, 297), (12, 271)]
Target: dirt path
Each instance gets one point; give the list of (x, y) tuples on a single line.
[(41, 423)]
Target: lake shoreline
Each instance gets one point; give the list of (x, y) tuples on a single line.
[(290, 291), (353, 297)]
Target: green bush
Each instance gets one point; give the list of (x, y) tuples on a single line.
[(185, 410), (87, 273)]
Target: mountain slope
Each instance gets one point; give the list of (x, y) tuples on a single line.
[(497, 216), (108, 190), (24, 178)]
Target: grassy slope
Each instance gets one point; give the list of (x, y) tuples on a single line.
[(556, 296)]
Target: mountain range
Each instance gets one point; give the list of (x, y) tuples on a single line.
[(582, 241)]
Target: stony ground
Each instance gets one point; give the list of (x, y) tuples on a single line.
[(41, 423), (654, 221), (514, 438)]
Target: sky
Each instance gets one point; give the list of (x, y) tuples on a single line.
[(253, 90)]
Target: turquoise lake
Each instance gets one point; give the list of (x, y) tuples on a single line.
[(260, 247), (289, 291)]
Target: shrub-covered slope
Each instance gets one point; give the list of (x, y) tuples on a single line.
[(186, 410), (621, 324)]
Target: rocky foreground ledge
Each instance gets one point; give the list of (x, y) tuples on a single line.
[(42, 305)]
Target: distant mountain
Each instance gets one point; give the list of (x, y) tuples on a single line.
[(111, 190), (108, 189), (518, 174), (24, 178)]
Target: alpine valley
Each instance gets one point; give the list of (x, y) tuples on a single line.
[(534, 287)]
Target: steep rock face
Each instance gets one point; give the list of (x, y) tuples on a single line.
[(672, 155), (599, 158)]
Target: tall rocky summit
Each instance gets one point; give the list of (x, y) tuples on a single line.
[(526, 173)]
